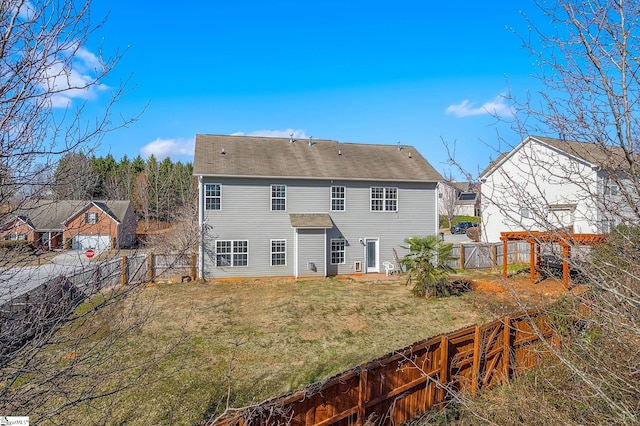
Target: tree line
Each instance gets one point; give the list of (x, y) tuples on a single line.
[(159, 190)]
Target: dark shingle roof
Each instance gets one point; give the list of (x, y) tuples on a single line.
[(49, 215), (251, 156)]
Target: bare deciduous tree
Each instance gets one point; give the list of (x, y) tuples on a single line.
[(590, 104), (48, 75)]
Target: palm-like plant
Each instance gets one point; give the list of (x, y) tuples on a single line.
[(426, 265)]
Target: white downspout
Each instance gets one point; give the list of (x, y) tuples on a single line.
[(437, 204), (200, 228)]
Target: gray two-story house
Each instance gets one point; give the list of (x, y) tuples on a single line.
[(308, 208)]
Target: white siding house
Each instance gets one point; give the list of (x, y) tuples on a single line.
[(305, 208), (545, 184)]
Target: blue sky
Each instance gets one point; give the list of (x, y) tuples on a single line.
[(352, 71)]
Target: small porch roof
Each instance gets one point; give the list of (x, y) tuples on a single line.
[(311, 220)]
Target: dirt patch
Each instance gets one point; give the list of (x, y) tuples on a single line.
[(502, 295)]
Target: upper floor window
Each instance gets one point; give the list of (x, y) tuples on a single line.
[(278, 197), (525, 210), (91, 218), (337, 198), (384, 199), (610, 187), (232, 253), (212, 196)]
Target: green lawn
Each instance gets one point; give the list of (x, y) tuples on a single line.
[(183, 349)]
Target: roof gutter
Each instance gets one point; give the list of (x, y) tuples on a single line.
[(367, 179)]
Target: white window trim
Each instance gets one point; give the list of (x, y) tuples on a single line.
[(212, 196), (232, 253), (272, 198), (344, 198), (271, 252), (611, 188), (384, 199), (344, 251), (87, 215)]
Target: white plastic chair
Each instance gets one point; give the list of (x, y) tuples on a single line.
[(389, 268)]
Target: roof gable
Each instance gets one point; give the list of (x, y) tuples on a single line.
[(595, 155), (248, 156), (114, 209)]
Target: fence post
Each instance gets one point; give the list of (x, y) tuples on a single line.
[(444, 368), (494, 254), (194, 271), (150, 271), (462, 260), (125, 272), (506, 348), (476, 361), (362, 397)]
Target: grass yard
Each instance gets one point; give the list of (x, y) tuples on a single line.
[(246, 341)]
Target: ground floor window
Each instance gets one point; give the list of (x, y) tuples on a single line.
[(337, 251), (16, 237), (278, 252), (232, 253)]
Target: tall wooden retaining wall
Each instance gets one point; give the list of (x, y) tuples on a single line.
[(395, 388)]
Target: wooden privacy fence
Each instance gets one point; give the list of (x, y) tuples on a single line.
[(172, 267), (487, 255), (395, 388)]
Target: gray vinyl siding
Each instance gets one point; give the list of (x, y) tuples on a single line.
[(246, 215), (311, 243)]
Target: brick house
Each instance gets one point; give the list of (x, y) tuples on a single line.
[(49, 224)]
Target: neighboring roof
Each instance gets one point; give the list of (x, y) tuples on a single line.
[(605, 156), (467, 198), (596, 154), (249, 156), (116, 209), (49, 215), (310, 220)]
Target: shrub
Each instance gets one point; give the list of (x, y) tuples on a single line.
[(474, 233), (427, 267), (21, 245)]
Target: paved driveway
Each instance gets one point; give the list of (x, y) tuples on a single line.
[(17, 281)]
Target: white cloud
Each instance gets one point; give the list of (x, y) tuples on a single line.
[(75, 82), (297, 133), (497, 106), (26, 10), (171, 148)]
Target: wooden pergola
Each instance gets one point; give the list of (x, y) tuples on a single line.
[(565, 239)]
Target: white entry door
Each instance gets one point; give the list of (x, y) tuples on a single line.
[(372, 255)]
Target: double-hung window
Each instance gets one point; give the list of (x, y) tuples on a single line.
[(91, 218), (232, 253), (337, 251), (278, 197), (610, 187), (278, 252), (212, 196), (337, 199), (384, 199)]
